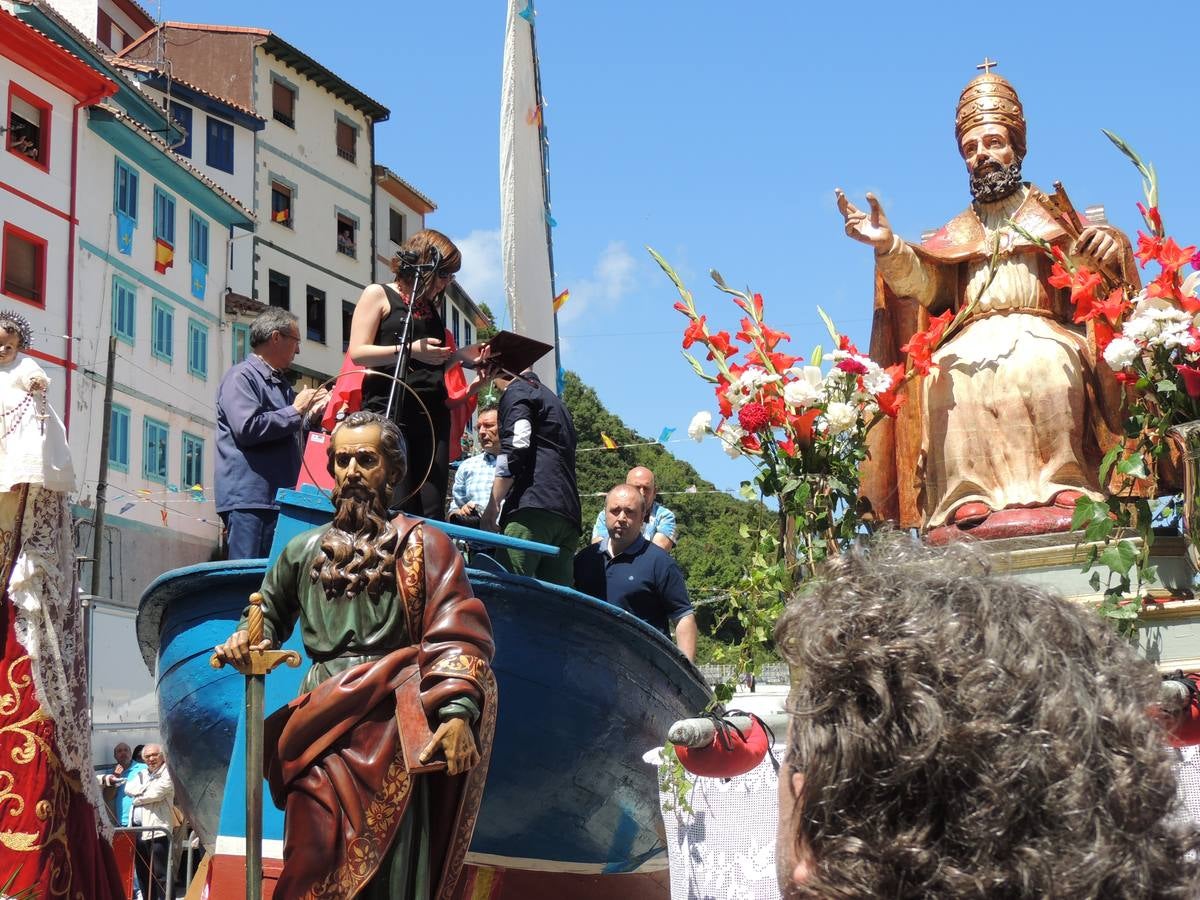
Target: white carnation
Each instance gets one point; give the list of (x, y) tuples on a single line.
[(877, 381), (1172, 337), (1121, 352), (840, 417), (731, 437), (700, 425), (801, 394)]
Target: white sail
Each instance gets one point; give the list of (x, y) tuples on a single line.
[(524, 196)]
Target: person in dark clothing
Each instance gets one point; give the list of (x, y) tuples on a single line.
[(376, 332), (258, 424), (628, 571), (534, 494)]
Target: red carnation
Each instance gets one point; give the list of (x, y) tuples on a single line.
[(852, 366), (753, 417)]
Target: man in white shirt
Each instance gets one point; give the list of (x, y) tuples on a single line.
[(153, 807)]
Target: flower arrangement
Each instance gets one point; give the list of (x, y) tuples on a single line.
[(1150, 338)]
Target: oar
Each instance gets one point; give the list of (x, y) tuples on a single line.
[(261, 663)]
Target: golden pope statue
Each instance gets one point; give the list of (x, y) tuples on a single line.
[(1008, 429)]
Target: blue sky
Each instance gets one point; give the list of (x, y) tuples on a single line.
[(716, 133)]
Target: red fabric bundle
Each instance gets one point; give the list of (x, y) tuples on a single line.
[(720, 761), (1186, 730), (346, 397)]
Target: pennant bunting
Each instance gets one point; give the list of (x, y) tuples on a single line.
[(561, 300), (665, 435), (125, 226), (534, 116), (199, 279), (609, 443), (527, 12), (163, 513), (550, 220), (125, 508)]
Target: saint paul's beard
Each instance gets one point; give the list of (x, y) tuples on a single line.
[(992, 181), (358, 553)]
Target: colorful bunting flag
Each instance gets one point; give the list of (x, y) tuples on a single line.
[(550, 220), (666, 435), (561, 299), (164, 256), (163, 513), (126, 508), (282, 215), (609, 443), (534, 116), (527, 12), (691, 489)]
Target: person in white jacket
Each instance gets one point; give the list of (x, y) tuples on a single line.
[(153, 807)]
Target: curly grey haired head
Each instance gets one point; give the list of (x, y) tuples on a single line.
[(964, 734), (15, 323)]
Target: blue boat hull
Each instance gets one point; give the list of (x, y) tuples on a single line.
[(585, 690)]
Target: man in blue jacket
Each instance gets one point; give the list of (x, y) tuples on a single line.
[(258, 440), (534, 496)]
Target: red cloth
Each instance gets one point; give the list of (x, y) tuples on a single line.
[(347, 395), (48, 834), (1186, 729)]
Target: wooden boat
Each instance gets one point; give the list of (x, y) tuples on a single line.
[(585, 690)]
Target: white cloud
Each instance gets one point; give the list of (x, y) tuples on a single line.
[(611, 279), (482, 273)]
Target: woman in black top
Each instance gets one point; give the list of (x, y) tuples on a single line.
[(375, 334)]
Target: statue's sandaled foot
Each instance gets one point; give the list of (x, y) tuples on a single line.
[(970, 514)]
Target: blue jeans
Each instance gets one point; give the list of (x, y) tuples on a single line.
[(249, 532)]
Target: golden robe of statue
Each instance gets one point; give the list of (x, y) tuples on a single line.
[(1019, 409)]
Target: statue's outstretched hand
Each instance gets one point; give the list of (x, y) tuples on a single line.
[(866, 227), (237, 649), (456, 742), (1099, 245)]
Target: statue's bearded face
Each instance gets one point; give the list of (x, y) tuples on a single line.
[(358, 552), (992, 163)]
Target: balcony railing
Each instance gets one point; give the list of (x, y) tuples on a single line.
[(346, 154)]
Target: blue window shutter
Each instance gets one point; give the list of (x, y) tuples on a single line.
[(183, 115)]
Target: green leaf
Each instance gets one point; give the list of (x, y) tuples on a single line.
[(1133, 465), (833, 332), (1128, 611), (1099, 530), (1166, 386), (747, 491), (684, 293), (1085, 512), (698, 369), (1106, 464), (1119, 557), (1094, 581)]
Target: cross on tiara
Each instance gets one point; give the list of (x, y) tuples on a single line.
[(986, 65)]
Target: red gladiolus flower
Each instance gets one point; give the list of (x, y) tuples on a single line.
[(781, 362), (752, 443), (1112, 307), (1103, 331), (920, 348), (1174, 257), (1057, 252), (844, 343), (756, 309), (719, 343), (775, 407), (1126, 377), (1191, 379), (1083, 292), (1148, 247), (1152, 216), (1059, 277), (694, 332), (802, 426), (892, 399), (771, 337), (682, 307), (1163, 286), (788, 447), (1195, 261), (754, 417), (851, 365)]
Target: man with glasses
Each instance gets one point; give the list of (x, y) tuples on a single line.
[(258, 444)]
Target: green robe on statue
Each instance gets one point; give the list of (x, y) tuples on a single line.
[(342, 633)]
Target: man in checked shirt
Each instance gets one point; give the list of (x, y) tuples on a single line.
[(473, 481)]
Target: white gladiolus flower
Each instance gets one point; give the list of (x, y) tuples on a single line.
[(1121, 353), (840, 417), (700, 425)]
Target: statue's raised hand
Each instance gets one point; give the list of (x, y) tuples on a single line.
[(866, 227)]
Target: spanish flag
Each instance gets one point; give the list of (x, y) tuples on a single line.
[(282, 215), (609, 443), (164, 256), (561, 299)]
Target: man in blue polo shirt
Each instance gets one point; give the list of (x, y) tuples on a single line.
[(628, 571)]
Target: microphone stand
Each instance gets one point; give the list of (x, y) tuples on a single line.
[(404, 356)]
